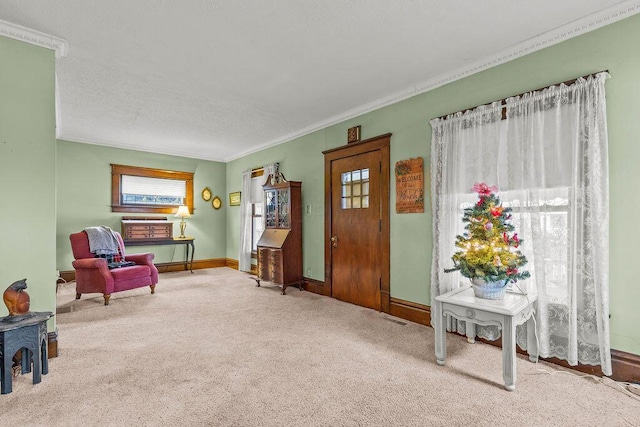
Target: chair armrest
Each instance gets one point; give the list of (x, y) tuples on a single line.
[(142, 259), (99, 263)]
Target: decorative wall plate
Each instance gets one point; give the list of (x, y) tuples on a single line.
[(206, 194), (216, 203)]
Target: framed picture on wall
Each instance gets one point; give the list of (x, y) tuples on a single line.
[(234, 199)]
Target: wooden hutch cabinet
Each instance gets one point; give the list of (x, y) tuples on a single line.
[(280, 246)]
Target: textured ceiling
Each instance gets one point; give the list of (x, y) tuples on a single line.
[(219, 79)]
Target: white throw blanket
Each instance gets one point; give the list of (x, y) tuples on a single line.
[(102, 240)]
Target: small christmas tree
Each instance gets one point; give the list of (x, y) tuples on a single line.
[(488, 247)]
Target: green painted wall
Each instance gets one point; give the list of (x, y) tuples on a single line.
[(55, 197), (27, 171), (84, 199), (296, 166), (613, 48)]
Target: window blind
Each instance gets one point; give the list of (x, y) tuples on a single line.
[(141, 185), (256, 189)]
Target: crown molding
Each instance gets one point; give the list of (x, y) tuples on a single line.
[(27, 35), (573, 29), (126, 146)]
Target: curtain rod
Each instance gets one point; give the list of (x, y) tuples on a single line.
[(257, 168), (503, 101)]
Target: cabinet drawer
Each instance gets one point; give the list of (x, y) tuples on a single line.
[(276, 256), (135, 228), (276, 276), (161, 233), (137, 235), (138, 230), (263, 272)]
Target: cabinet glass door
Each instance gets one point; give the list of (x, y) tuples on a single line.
[(283, 209), (270, 208)]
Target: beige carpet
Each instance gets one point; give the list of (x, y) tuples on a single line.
[(212, 349)]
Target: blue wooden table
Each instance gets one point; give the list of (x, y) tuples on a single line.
[(27, 333)]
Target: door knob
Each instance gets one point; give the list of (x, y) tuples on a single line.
[(334, 241)]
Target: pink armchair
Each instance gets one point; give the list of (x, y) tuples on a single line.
[(93, 275)]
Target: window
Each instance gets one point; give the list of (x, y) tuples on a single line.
[(548, 158), (355, 189), (257, 225), (142, 190), (137, 189), (550, 209)]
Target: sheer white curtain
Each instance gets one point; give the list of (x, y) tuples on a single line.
[(244, 259), (549, 160), (246, 214), (463, 151)]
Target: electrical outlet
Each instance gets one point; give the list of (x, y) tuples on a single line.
[(307, 209), (309, 272)]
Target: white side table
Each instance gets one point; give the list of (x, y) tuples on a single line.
[(515, 309)]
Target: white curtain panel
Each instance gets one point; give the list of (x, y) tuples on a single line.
[(463, 151), (248, 197), (244, 258), (549, 160)]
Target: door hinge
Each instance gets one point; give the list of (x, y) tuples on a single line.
[(380, 167), (380, 283), (380, 225)]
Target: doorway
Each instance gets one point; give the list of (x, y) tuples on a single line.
[(357, 222)]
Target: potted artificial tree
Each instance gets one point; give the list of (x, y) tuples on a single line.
[(488, 253)]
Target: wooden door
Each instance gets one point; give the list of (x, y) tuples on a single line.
[(357, 229)]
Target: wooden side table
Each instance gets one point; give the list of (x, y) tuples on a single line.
[(187, 241), (515, 309), (28, 334)]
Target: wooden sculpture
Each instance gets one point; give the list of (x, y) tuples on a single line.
[(16, 299)]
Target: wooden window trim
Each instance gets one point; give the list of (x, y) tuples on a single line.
[(116, 184)]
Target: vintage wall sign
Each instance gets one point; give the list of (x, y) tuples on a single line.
[(410, 186)]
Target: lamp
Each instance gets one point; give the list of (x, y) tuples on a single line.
[(183, 212)]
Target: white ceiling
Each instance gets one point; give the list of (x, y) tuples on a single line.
[(218, 79)]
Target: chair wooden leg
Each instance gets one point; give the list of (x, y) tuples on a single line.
[(78, 295), (153, 288), (106, 299)]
